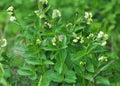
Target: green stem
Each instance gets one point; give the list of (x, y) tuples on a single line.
[(83, 79), (103, 68)]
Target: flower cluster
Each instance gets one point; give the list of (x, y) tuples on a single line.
[(88, 17), (104, 37), (10, 12), (102, 58), (54, 41), (60, 37), (39, 14), (48, 24), (91, 36), (76, 39), (56, 13), (80, 39), (3, 42)]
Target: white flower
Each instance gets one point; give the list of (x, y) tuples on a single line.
[(56, 13), (48, 24), (54, 44), (78, 38), (88, 17), (100, 34), (75, 40), (10, 12), (102, 58), (104, 43), (91, 35), (81, 40), (103, 37), (3, 42), (89, 20), (60, 37), (10, 9), (90, 14), (12, 18), (54, 41)]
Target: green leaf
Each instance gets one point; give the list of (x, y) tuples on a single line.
[(90, 67), (102, 80), (3, 81), (79, 54), (70, 77), (44, 81), (79, 28), (48, 62), (19, 48), (38, 22), (54, 76), (91, 48), (60, 60), (50, 48), (24, 72), (78, 70), (89, 77), (63, 54), (34, 61), (33, 76), (59, 67), (64, 42), (2, 72)]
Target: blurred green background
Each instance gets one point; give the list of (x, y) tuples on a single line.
[(106, 17)]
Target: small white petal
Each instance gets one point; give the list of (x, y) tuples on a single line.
[(75, 40), (11, 8), (86, 15), (12, 18), (56, 13), (104, 43), (100, 34)]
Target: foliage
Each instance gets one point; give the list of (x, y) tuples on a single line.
[(59, 43)]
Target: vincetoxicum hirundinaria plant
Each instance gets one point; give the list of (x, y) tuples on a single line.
[(56, 53)]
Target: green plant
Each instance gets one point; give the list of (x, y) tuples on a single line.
[(52, 50)]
